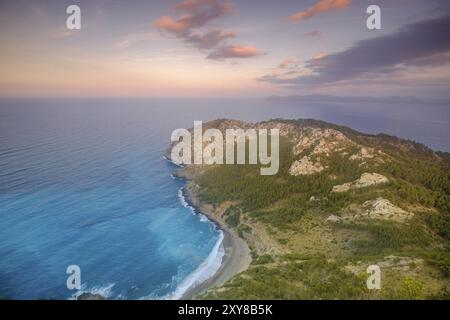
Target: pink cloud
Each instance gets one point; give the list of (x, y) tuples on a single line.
[(169, 24), (320, 7), (193, 4), (198, 14), (189, 27)]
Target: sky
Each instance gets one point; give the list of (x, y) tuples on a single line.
[(221, 48)]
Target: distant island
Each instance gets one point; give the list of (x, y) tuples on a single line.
[(341, 201), (330, 98)]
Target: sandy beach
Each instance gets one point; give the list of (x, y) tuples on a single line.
[(237, 256)]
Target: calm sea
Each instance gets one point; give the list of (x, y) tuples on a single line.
[(84, 182)]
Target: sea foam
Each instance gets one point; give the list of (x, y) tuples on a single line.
[(204, 272), (208, 267), (104, 291)]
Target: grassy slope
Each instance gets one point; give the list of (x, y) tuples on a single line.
[(297, 255)]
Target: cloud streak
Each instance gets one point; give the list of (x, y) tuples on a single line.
[(320, 7), (198, 14), (424, 43), (312, 34), (209, 39), (235, 51), (287, 63)]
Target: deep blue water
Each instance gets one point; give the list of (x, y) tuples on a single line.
[(84, 182)]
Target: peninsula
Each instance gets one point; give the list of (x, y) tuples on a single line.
[(341, 201)]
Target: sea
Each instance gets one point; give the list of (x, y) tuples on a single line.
[(84, 182)]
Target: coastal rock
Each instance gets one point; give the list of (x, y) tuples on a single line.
[(379, 208), (323, 141), (363, 154), (384, 209), (313, 143), (305, 166), (91, 296), (366, 180), (333, 218)]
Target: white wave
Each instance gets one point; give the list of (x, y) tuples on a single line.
[(183, 200), (178, 164), (202, 217), (205, 271), (174, 177), (207, 268)]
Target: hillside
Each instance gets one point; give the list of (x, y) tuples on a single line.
[(341, 201)]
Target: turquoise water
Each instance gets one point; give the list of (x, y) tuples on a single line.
[(88, 186), (84, 182)]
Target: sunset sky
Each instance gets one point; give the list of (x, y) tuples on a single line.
[(215, 48)]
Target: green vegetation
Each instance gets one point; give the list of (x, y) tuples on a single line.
[(264, 259), (389, 236), (441, 259), (411, 289), (312, 279), (293, 210), (232, 215)]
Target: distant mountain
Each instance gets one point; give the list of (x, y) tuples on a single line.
[(329, 98)]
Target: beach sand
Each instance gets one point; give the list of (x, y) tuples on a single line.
[(237, 256)]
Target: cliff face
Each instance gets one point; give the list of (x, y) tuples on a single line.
[(341, 201)]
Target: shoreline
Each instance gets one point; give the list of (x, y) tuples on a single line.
[(236, 257)]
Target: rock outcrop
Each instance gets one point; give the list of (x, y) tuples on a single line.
[(91, 296), (379, 208), (305, 166), (363, 154), (366, 180), (383, 209)]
